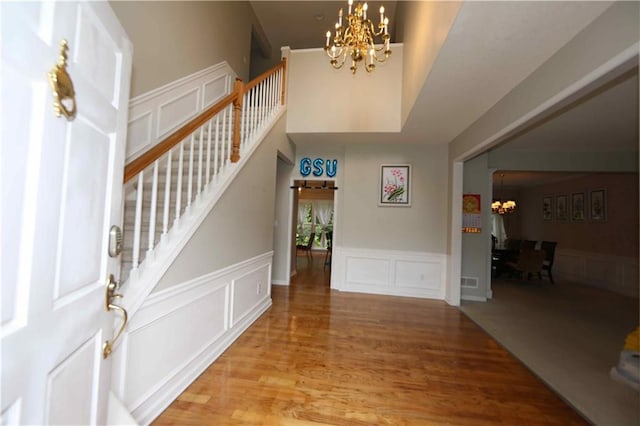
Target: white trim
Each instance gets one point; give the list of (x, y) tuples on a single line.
[(175, 291), (146, 97), (169, 119), (157, 113), (618, 274), (389, 272), (211, 296), (454, 267), (473, 298)]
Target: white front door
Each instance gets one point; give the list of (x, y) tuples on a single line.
[(61, 191)]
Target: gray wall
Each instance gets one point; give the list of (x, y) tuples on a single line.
[(615, 31), (174, 39), (416, 228), (422, 42), (476, 248), (617, 235), (360, 222), (240, 226), (283, 212)]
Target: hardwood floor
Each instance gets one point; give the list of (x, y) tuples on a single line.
[(324, 357)]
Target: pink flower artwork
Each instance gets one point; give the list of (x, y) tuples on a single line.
[(395, 185)]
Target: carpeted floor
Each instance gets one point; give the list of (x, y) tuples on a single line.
[(569, 335)]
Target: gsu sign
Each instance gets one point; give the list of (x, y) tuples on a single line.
[(318, 166)]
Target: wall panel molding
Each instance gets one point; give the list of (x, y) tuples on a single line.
[(178, 332), (389, 272), (614, 273), (156, 114)]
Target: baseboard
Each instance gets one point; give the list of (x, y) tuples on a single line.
[(157, 402), (157, 359), (473, 298)]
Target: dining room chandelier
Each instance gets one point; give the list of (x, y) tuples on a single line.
[(502, 207), (357, 39)]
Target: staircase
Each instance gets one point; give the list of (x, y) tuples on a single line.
[(170, 189), (192, 166)]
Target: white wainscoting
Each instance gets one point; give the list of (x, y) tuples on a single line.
[(156, 114), (614, 273), (390, 272), (179, 332)]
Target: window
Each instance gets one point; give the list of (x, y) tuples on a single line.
[(314, 215), (497, 229)]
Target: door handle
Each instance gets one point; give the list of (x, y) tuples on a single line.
[(111, 294)]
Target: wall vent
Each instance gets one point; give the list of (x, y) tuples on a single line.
[(469, 282)]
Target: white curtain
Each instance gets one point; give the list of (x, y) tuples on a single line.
[(323, 210), (302, 214), (497, 229)]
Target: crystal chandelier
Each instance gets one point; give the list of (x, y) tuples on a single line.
[(502, 207), (357, 40)]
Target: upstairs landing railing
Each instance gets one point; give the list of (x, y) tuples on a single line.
[(162, 184)]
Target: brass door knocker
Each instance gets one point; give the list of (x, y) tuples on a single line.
[(64, 97)]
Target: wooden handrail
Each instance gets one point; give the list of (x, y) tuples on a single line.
[(259, 79), (139, 164), (157, 151)]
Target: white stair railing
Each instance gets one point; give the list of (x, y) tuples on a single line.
[(174, 175)]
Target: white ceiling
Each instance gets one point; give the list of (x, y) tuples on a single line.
[(303, 24), (491, 48)]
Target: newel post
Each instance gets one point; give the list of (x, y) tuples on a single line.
[(238, 89)]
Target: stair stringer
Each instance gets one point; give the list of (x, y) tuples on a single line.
[(142, 280)]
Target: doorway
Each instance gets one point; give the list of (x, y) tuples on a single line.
[(313, 222)]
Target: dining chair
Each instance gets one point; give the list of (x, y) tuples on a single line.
[(549, 248), (307, 247), (529, 262), (327, 256)]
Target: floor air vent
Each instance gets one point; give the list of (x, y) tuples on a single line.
[(469, 282)]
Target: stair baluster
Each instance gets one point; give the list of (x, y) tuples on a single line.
[(153, 211), (167, 197)]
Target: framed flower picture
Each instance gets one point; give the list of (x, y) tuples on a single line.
[(598, 205), (577, 206), (547, 208), (562, 207), (395, 185)]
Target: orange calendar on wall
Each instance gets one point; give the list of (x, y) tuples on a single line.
[(471, 214)]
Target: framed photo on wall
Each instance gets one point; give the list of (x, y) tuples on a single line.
[(395, 185), (598, 205), (577, 207), (547, 208), (562, 207)]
